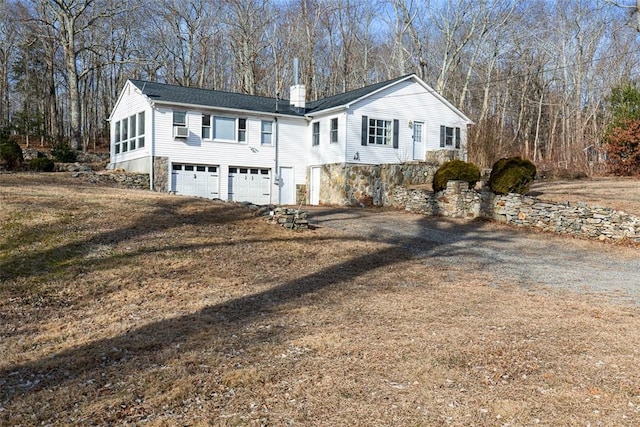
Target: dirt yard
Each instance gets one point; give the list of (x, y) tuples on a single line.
[(129, 307)]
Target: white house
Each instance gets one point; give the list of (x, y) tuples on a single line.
[(240, 147)]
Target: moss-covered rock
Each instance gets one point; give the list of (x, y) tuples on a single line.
[(455, 170), (512, 175)]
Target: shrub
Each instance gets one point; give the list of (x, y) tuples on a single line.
[(10, 151), (623, 148), (455, 170), (512, 175), (63, 153), (41, 164)]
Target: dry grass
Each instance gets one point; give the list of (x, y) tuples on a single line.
[(120, 306), (616, 193)]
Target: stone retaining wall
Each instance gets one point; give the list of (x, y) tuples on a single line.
[(138, 181), (458, 201), (370, 185)]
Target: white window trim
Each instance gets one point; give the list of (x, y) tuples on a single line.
[(263, 133), (315, 136), (388, 132), (334, 132)]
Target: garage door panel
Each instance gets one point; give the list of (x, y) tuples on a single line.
[(195, 180), (250, 185)]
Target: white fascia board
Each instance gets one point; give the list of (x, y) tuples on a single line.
[(115, 106), (326, 112), (229, 110)]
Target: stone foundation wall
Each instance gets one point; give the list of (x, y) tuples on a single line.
[(161, 178), (458, 201), (301, 194), (370, 185)]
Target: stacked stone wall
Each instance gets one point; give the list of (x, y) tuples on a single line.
[(138, 181), (370, 185), (458, 201)]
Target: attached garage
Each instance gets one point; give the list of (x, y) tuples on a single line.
[(195, 180), (250, 185)]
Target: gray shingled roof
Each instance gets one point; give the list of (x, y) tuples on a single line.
[(348, 97), (166, 93)]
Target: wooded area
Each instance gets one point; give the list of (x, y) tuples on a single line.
[(533, 75)]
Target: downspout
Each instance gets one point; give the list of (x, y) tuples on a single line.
[(276, 180), (151, 148)]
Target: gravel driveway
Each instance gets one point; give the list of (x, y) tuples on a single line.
[(503, 254)]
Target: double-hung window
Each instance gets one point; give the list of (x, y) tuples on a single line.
[(206, 126), (266, 134), (242, 130), (315, 137), (449, 137), (380, 132), (179, 118), (333, 134)]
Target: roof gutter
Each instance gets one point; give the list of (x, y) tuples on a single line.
[(230, 110)]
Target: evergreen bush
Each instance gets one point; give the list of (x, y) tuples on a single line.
[(512, 175), (41, 164), (63, 153), (455, 170), (10, 151)]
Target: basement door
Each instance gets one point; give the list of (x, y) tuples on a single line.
[(250, 185), (287, 186), (195, 180), (314, 190)]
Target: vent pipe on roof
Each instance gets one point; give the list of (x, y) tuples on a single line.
[(295, 71)]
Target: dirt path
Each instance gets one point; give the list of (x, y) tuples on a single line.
[(503, 255)]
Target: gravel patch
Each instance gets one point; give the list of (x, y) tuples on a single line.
[(505, 255)]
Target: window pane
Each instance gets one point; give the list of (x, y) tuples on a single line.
[(242, 130), (206, 120), (141, 123), (117, 131), (267, 127), (224, 128), (334, 130), (132, 125), (117, 148), (141, 142), (125, 127), (206, 132), (179, 118)]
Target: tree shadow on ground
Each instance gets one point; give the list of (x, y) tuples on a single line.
[(226, 319)]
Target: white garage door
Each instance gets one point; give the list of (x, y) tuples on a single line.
[(250, 185), (195, 180)]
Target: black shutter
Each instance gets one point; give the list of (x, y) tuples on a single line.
[(442, 135), (457, 137), (396, 130), (365, 129)]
